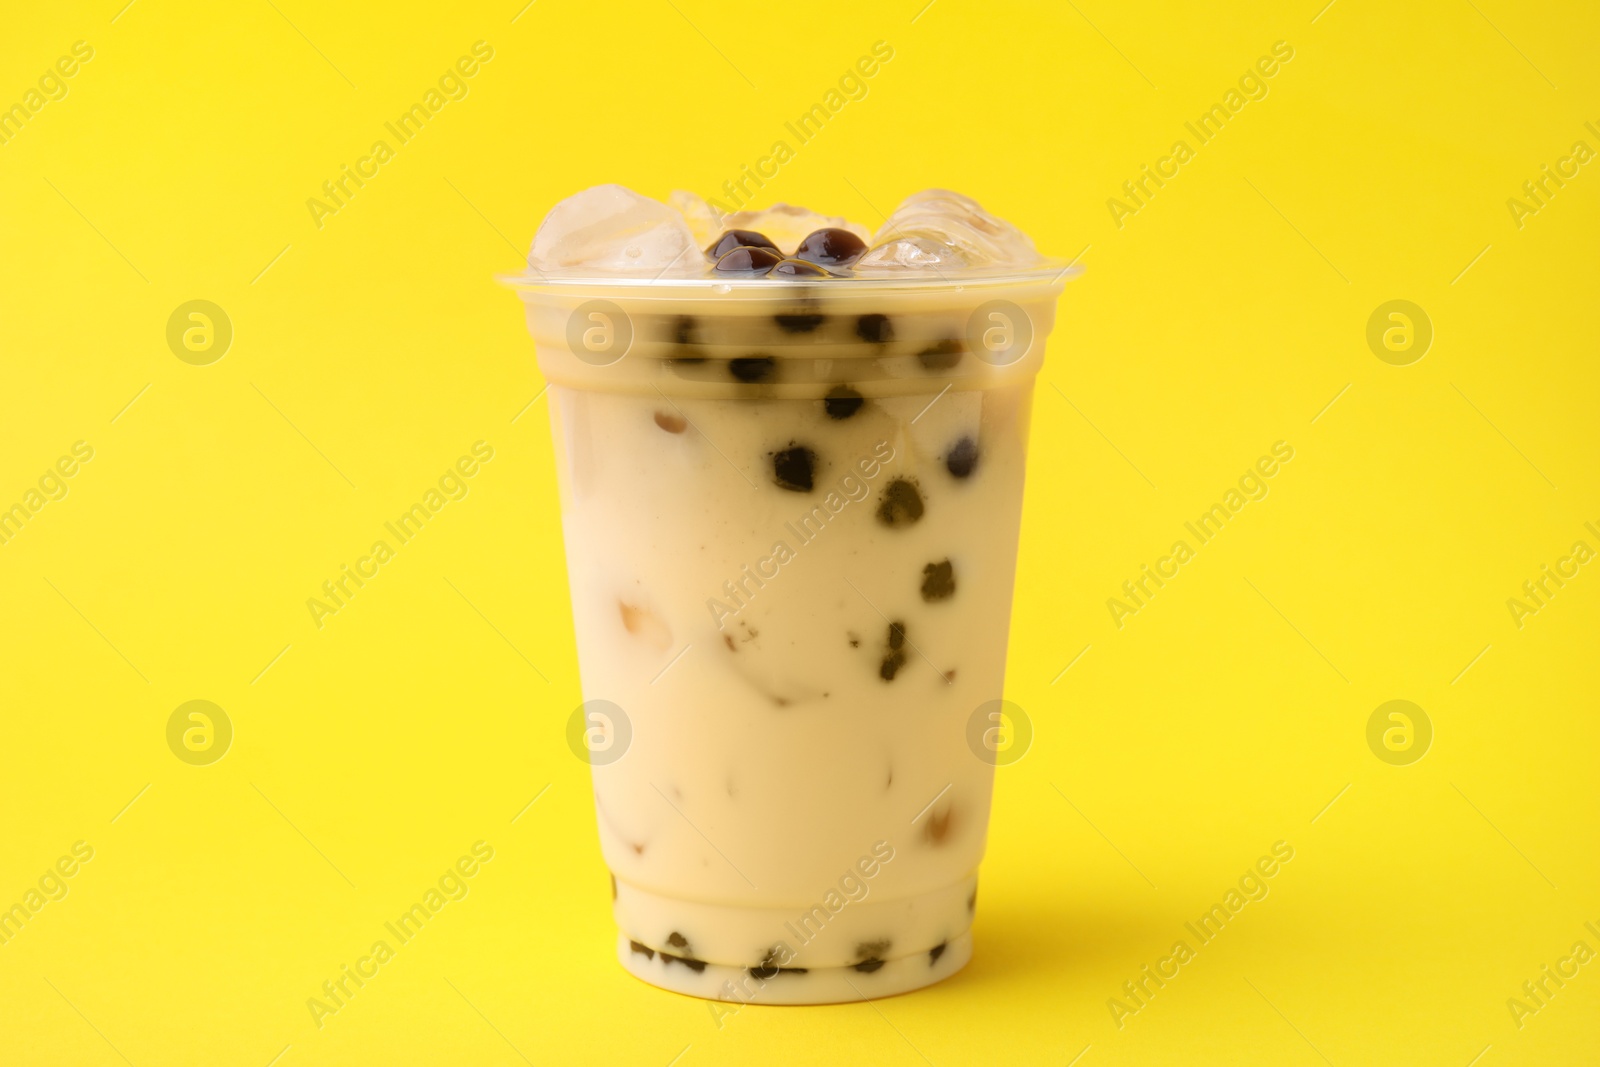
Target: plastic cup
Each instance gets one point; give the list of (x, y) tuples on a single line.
[(790, 514)]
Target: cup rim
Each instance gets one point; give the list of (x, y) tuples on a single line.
[(1044, 274)]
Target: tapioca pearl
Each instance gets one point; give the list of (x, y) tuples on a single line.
[(892, 662), (831, 247), (842, 402), (684, 329), (748, 261), (901, 504), (962, 459), (799, 322), (897, 635), (732, 239), (870, 954), (894, 656), (792, 468), (935, 952), (938, 581), (670, 422), (753, 369), (937, 829), (643, 950), (771, 964), (803, 322), (688, 961), (875, 329), (678, 941), (799, 268), (941, 356)]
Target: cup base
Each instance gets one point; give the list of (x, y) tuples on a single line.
[(816, 985)]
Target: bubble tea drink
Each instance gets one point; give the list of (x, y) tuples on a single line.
[(791, 464)]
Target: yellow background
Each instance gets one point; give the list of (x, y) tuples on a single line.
[(370, 353)]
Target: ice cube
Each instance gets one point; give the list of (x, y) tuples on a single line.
[(705, 221), (613, 229), (940, 229), (786, 225)]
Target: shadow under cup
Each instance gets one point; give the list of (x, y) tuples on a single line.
[(790, 515)]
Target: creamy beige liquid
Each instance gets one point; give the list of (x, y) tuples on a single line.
[(798, 666)]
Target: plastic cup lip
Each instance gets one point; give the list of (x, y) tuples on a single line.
[(1046, 274)]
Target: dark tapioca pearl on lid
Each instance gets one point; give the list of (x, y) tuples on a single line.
[(962, 457), (799, 268), (750, 261), (897, 635), (875, 329), (938, 581), (842, 402), (753, 368), (677, 940), (683, 330), (901, 504), (792, 468), (942, 356), (935, 952), (831, 247), (732, 239), (670, 422), (644, 950)]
